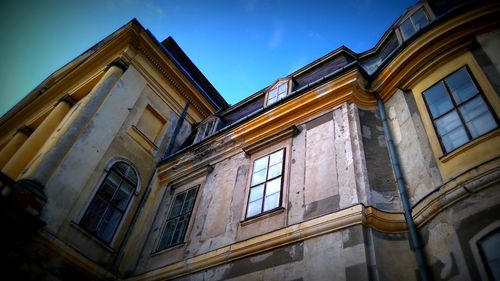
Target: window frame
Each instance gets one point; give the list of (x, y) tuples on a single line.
[(165, 221), (276, 87), (134, 191), (456, 108), (282, 183)]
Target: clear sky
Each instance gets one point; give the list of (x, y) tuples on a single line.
[(241, 46)]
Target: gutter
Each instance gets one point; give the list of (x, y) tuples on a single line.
[(415, 240)]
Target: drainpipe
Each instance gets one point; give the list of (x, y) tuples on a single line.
[(176, 131), (415, 239)]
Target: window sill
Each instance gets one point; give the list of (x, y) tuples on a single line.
[(168, 249), (84, 232), (262, 216), (447, 157)]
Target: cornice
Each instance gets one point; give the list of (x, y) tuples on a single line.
[(166, 69), (355, 215), (439, 41)]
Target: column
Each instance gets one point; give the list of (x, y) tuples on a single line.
[(30, 147), (14, 144), (42, 168)]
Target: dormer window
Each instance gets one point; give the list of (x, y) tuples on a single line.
[(277, 92), (414, 23)]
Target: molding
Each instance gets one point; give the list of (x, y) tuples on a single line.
[(455, 190), (25, 130), (188, 174), (279, 238), (257, 146)]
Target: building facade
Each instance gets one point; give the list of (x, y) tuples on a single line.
[(127, 164)]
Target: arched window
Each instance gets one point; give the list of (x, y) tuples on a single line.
[(110, 202)]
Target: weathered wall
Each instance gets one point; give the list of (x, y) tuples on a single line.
[(383, 191), (451, 237), (324, 172), (415, 154), (334, 256)]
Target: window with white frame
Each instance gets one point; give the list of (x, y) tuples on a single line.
[(277, 93), (178, 218), (414, 23), (266, 184), (458, 109), (109, 204)]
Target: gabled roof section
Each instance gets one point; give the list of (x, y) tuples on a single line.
[(194, 74)]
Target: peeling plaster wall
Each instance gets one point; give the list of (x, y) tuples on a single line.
[(334, 256), (329, 144), (451, 237), (416, 157), (383, 191)]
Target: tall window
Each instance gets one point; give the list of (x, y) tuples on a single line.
[(266, 184), (414, 23), (458, 110), (110, 202), (178, 218), (277, 93)]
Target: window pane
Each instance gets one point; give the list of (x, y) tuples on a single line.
[(179, 231), (438, 100), (122, 196), (189, 202), (272, 201), (270, 101), (276, 157), (256, 193), (273, 93), (107, 190), (477, 117), (451, 131), (461, 85), (260, 164), (259, 177), (96, 210), (167, 234), (254, 208), (109, 223), (407, 29), (282, 88), (489, 246), (177, 205), (420, 19), (273, 186), (275, 170)]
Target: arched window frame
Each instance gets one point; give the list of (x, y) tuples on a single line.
[(476, 253), (135, 191)]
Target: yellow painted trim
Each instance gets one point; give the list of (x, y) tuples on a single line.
[(433, 43), (476, 151)]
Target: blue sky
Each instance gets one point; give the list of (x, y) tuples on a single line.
[(241, 45)]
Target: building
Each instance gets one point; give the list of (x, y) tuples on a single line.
[(127, 164)]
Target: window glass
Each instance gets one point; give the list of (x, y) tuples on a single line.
[(458, 110), (266, 184), (414, 23), (277, 93), (108, 206), (488, 246), (178, 218)]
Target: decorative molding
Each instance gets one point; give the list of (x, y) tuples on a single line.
[(188, 174), (279, 238), (155, 61), (287, 133)]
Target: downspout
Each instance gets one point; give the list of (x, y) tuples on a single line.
[(176, 131), (415, 239)]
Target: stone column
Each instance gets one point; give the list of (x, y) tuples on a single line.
[(14, 144), (30, 147), (42, 168)]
